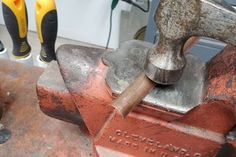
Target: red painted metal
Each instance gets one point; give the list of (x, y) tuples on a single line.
[(150, 131), (55, 99), (222, 76)]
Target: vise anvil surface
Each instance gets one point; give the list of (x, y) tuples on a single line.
[(193, 128), (177, 21)]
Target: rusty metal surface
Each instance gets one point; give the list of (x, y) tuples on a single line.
[(152, 130), (33, 133), (77, 64), (145, 136), (54, 98), (146, 131), (127, 63), (222, 76), (177, 21)]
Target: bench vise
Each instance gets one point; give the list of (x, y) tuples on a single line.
[(191, 115)]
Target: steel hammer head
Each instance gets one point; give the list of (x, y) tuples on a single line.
[(177, 21)]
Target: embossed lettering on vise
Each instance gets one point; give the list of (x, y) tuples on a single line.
[(132, 141)]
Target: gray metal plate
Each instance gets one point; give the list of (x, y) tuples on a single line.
[(126, 63)]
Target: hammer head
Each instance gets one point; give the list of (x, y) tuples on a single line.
[(177, 21)]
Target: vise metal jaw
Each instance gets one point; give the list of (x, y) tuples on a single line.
[(189, 119)]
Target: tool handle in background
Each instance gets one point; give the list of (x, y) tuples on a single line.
[(47, 25), (16, 20)]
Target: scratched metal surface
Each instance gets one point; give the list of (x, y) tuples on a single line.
[(127, 63)]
